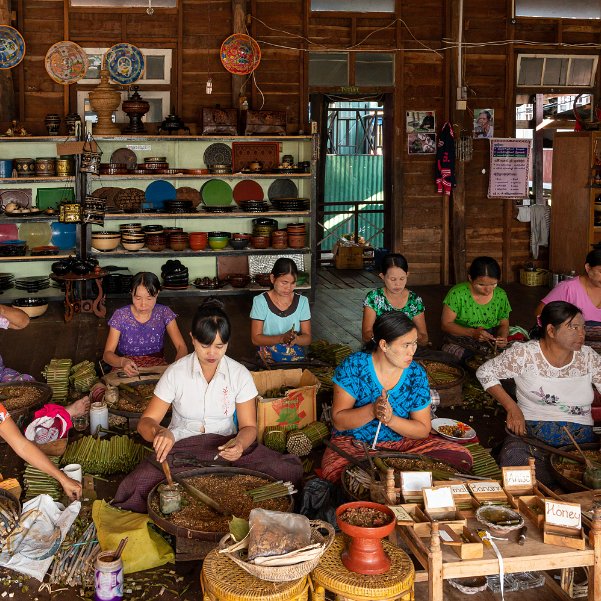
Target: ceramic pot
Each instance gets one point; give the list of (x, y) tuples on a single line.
[(71, 121), (45, 167), (364, 553), (104, 101), (25, 167), (135, 107), (52, 123)]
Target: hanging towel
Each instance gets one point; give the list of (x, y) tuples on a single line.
[(540, 216), (524, 214)]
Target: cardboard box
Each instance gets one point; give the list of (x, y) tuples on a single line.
[(348, 257), (296, 409)]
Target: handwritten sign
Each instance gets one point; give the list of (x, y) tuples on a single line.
[(459, 490), (568, 515), (485, 487), (438, 498), (401, 514), (517, 477), (415, 481), (509, 168)]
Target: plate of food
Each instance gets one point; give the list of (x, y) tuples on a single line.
[(452, 429)]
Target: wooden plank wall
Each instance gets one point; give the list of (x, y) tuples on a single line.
[(285, 30)]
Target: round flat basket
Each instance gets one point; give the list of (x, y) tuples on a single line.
[(240, 54), (66, 62), (21, 398), (12, 47), (446, 379), (125, 63), (322, 533)]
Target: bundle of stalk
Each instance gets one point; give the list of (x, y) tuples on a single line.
[(298, 443), (324, 375), (333, 354), (83, 376), (274, 490), (38, 483), (57, 377), (316, 432), (274, 437), (100, 456), (74, 564), (484, 465)]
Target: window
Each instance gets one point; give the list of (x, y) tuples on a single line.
[(353, 6), (328, 69), (331, 69), (554, 71), (558, 9), (374, 69)]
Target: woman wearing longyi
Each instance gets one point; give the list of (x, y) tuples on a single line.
[(212, 400), (383, 390), (554, 379)]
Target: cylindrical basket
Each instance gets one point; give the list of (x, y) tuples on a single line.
[(449, 388), (538, 277)]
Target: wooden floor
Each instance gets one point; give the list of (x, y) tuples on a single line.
[(336, 316)]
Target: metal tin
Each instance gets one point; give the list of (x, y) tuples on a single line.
[(70, 213), (6, 168), (108, 577), (45, 167), (90, 162), (65, 166), (25, 167)]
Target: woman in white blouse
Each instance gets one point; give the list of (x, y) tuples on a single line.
[(554, 379)]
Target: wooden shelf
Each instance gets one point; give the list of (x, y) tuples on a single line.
[(203, 215), (41, 258), (36, 180), (227, 252), (165, 138)]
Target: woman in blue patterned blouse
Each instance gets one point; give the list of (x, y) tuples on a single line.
[(384, 385)]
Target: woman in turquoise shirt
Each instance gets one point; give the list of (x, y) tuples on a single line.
[(281, 318)]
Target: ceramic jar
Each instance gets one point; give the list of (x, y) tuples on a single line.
[(71, 121), (25, 167), (65, 165), (52, 123), (45, 167)]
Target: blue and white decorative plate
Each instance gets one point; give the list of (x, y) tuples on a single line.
[(125, 63), (12, 47)]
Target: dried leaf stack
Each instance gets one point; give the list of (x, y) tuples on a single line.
[(83, 376), (333, 354), (39, 483), (316, 432), (57, 377)]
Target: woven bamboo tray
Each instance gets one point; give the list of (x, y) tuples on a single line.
[(449, 388), (284, 573)]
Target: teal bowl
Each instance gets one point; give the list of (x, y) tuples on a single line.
[(218, 243)]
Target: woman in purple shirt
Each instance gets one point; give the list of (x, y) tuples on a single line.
[(137, 332)]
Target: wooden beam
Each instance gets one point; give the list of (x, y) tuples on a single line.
[(7, 90), (239, 26)]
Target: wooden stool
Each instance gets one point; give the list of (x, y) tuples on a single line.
[(222, 580), (331, 575)]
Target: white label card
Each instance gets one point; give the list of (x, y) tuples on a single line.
[(415, 481), (438, 498), (517, 477), (568, 515), (139, 146), (485, 487), (401, 514), (459, 489)]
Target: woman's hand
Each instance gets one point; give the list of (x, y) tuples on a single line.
[(515, 421), (382, 408), (231, 450), (71, 487), (501, 342), (289, 337), (162, 443), (129, 367), (481, 335)]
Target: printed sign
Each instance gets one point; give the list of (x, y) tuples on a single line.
[(415, 481), (438, 498), (459, 490), (516, 477), (509, 168), (568, 515)]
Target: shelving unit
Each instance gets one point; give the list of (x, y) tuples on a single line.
[(182, 152)]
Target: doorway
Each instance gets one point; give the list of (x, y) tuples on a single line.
[(352, 191)]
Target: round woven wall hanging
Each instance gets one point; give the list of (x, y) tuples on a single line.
[(240, 54)]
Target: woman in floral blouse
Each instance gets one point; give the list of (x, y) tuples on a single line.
[(554, 379), (394, 296)]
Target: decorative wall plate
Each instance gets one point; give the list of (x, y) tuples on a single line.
[(12, 47), (125, 63), (129, 199), (240, 54), (159, 191), (125, 155), (248, 189), (66, 62), (218, 154), (282, 188), (216, 193)]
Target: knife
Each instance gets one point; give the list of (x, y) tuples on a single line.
[(522, 535)]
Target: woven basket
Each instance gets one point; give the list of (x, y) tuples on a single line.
[(450, 389), (538, 277), (469, 586), (483, 516), (284, 573)]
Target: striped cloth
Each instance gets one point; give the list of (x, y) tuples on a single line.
[(454, 454)]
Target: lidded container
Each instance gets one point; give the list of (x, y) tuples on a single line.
[(99, 416)]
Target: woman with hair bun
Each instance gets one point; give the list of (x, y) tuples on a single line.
[(382, 387), (394, 296), (213, 412), (554, 379)]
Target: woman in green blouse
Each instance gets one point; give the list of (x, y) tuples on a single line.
[(475, 314), (394, 296)]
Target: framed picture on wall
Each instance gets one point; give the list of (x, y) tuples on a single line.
[(421, 143), (423, 121), (484, 123)]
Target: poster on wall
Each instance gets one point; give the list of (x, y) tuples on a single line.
[(484, 123), (509, 168), (422, 121), (421, 143)]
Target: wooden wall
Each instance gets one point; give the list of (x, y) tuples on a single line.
[(425, 64)]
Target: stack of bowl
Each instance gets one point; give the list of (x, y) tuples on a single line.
[(105, 241), (263, 227), (297, 235), (175, 275), (259, 241), (156, 242), (263, 279), (178, 241), (34, 307), (198, 240), (279, 239), (153, 229), (132, 236), (239, 241), (218, 240)]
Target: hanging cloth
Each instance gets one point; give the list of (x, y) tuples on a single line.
[(445, 160), (540, 216)]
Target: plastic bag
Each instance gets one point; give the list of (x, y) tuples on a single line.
[(113, 524), (276, 533)]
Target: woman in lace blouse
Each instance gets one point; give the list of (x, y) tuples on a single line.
[(554, 379)]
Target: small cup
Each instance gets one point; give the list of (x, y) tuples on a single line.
[(73, 470)]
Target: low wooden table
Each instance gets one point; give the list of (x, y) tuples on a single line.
[(441, 563), (72, 305)]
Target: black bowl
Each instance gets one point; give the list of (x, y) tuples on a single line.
[(28, 301), (60, 268), (219, 234), (80, 268)]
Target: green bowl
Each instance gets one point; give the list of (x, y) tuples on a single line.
[(218, 243)]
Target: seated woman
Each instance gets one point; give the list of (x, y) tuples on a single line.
[(13, 319), (394, 296), (280, 318), (137, 332), (554, 378), (212, 399), (385, 385), (30, 453), (475, 314), (583, 291)]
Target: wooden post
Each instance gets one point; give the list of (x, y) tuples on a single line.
[(7, 90), (239, 26), (435, 566), (532, 464), (390, 491), (594, 574)]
